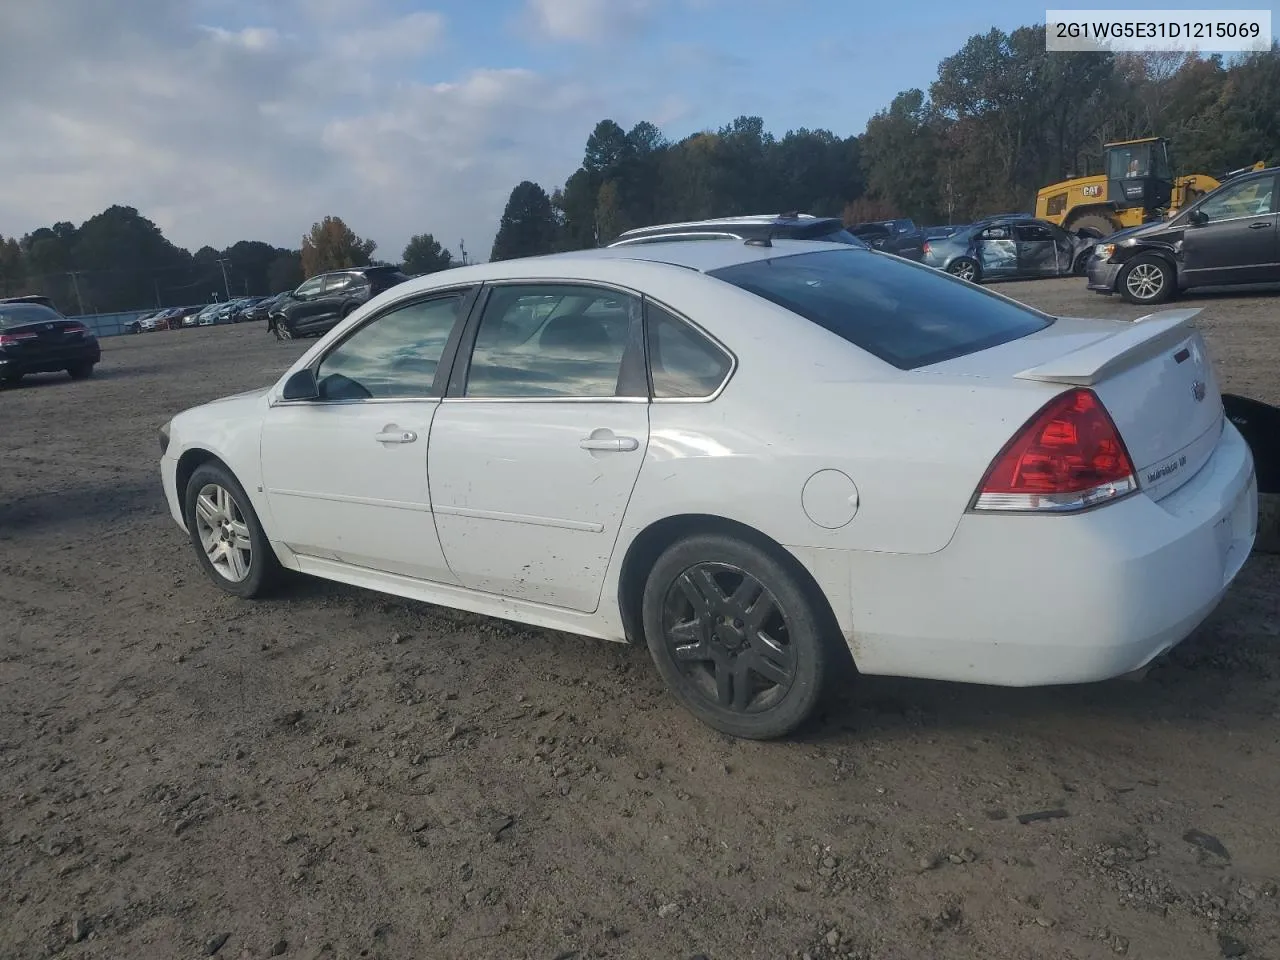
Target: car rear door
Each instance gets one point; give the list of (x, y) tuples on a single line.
[(1240, 242), (536, 449), (996, 252)]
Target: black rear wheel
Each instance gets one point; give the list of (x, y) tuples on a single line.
[(80, 371), (737, 636)]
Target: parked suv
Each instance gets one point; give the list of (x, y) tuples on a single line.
[(784, 226), (902, 238), (327, 298), (1229, 236)]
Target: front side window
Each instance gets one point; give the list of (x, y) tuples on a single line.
[(552, 340), (310, 287), (684, 363), (395, 355), (995, 233), (1255, 198), (907, 315), (1033, 232)]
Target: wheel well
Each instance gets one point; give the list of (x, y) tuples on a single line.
[(187, 464), (657, 537)]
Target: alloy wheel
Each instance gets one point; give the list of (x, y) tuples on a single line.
[(1145, 281), (223, 532), (729, 637), (965, 271)]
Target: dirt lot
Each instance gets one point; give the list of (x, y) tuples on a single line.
[(338, 775)]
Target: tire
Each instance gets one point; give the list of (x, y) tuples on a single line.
[(1268, 536), (966, 268), (227, 521), (11, 380), (1145, 280), (1081, 266), (282, 331), (1093, 225), (80, 371), (706, 573)]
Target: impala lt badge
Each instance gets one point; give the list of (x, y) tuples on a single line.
[(1198, 390)]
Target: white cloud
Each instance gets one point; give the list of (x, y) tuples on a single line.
[(255, 130), (587, 21)]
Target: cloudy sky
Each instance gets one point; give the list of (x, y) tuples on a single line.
[(226, 120)]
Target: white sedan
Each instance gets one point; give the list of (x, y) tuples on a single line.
[(763, 461)]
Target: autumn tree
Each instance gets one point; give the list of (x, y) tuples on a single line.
[(332, 245), (424, 254)]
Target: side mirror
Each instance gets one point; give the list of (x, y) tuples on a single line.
[(1197, 217), (301, 386)]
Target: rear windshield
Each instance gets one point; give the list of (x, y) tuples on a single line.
[(16, 314), (903, 313)]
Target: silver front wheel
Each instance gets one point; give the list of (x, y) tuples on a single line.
[(1145, 281), (223, 532)]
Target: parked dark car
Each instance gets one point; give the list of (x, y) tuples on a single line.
[(326, 299), (902, 238), (1229, 236), (257, 312), (1007, 247), (784, 226), (35, 338)]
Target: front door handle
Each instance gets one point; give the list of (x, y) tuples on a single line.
[(393, 434), (1260, 225), (610, 443)]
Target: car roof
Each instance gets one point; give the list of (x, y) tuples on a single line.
[(779, 220), (702, 257)]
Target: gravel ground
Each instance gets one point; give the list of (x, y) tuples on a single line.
[(334, 774)]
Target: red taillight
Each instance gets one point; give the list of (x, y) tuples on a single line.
[(9, 339), (927, 249), (1067, 457)]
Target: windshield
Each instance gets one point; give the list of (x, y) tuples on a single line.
[(17, 314), (905, 314)]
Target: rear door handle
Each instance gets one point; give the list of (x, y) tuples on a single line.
[(1260, 225), (616, 444), (392, 434)]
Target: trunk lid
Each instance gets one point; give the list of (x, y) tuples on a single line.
[(1153, 375), (45, 335)]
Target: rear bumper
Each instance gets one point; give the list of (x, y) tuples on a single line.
[(1030, 601), (1102, 274), (49, 361)]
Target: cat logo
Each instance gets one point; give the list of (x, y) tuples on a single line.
[(1092, 190)]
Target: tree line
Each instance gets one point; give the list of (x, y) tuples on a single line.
[(1001, 119), (119, 260)]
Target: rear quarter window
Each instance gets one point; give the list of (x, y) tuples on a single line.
[(907, 315)]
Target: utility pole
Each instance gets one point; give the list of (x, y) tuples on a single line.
[(157, 286), (226, 284), (75, 280)]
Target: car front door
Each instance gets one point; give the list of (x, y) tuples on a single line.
[(996, 252), (1238, 242), (1037, 253), (345, 472), (536, 449), (1069, 247), (303, 303), (327, 306)]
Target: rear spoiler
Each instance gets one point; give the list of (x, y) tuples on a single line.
[(1097, 361)]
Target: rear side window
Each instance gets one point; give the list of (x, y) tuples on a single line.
[(684, 363), (907, 315)]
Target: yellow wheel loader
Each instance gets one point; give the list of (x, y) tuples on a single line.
[(1137, 186)]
